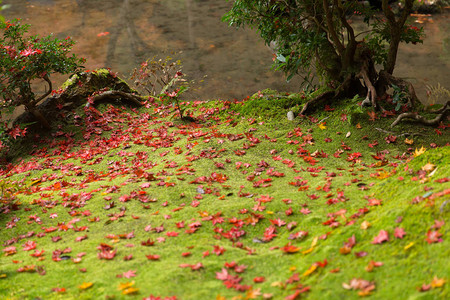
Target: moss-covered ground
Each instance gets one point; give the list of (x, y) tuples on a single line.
[(243, 204)]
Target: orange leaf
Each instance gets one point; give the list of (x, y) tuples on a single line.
[(85, 285), (310, 270), (437, 282), (126, 285), (130, 290)]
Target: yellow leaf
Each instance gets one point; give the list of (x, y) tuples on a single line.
[(409, 141), (419, 152), (292, 268), (437, 282), (85, 285), (364, 293), (126, 285), (365, 225), (36, 182), (383, 175), (409, 246), (428, 167), (269, 212), (310, 270), (322, 126), (219, 297), (314, 242), (3, 275), (277, 284), (130, 290), (308, 251)]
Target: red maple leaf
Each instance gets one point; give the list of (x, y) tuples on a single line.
[(152, 257), (269, 233), (383, 236), (433, 237), (399, 232), (289, 248), (218, 250), (29, 245), (127, 274), (222, 275), (106, 254), (10, 250), (278, 222)]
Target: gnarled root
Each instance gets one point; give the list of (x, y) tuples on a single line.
[(116, 95), (442, 113), (371, 91), (316, 100), (344, 90)]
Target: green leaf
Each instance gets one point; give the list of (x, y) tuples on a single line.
[(281, 58)]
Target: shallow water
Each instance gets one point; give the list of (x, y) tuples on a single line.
[(122, 33)]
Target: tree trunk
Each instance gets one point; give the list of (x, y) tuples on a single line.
[(40, 117)]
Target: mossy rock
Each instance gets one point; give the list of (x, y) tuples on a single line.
[(82, 85), (75, 92)]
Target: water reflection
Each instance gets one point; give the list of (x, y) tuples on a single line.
[(122, 33)]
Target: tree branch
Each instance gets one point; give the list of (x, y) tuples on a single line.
[(335, 38), (33, 103)]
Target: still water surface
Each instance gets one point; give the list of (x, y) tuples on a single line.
[(120, 34)]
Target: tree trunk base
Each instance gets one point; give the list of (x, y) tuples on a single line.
[(40, 117), (317, 100)]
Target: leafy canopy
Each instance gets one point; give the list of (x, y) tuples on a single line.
[(313, 34)]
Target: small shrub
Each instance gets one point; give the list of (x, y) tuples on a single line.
[(27, 60), (163, 79)]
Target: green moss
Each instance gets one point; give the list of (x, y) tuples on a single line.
[(121, 153)]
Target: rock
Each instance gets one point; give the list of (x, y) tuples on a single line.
[(75, 92), (290, 115)]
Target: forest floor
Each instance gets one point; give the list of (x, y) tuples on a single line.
[(127, 203)]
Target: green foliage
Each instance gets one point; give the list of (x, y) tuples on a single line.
[(315, 35), (400, 97), (24, 60)]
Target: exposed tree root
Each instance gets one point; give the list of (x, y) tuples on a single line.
[(364, 73), (116, 95), (415, 116), (317, 100)]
